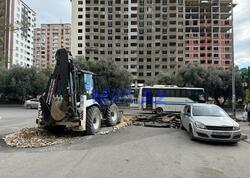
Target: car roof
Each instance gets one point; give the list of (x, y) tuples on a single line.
[(201, 104)]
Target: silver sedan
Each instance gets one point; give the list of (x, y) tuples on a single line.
[(209, 122), (31, 104)]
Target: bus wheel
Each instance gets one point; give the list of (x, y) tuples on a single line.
[(159, 110)]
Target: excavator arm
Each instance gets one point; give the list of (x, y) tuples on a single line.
[(59, 101)]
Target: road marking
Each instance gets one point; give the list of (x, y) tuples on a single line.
[(0, 117)]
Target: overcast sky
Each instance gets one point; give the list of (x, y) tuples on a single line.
[(59, 11)]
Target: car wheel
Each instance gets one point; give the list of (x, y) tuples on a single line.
[(29, 106), (191, 134), (181, 125)]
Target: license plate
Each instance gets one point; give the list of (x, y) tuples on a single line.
[(221, 133)]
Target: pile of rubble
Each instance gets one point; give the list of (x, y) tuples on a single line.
[(35, 137), (163, 120), (125, 121), (32, 138)]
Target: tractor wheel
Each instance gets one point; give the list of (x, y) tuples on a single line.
[(93, 120), (112, 115)]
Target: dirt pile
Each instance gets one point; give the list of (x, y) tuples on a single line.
[(125, 121), (35, 137), (32, 138)]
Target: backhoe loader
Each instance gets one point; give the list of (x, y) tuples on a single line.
[(69, 100)]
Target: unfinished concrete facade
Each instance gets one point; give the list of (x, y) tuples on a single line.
[(150, 36), (208, 32)]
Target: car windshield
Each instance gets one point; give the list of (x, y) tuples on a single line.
[(208, 110)]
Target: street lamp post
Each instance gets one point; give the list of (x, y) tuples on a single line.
[(233, 67)]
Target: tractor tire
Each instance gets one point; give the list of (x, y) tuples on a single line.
[(112, 115), (93, 120)]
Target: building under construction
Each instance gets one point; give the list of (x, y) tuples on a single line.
[(150, 36), (208, 32)]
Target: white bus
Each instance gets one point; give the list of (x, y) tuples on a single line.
[(161, 98)]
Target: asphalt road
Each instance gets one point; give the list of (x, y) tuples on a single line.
[(15, 117), (130, 152)]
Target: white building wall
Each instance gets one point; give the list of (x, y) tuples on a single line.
[(23, 35)]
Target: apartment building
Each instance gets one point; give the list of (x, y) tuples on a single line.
[(47, 40), (208, 32), (152, 36), (18, 25), (2, 31)]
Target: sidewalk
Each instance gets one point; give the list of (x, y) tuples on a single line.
[(245, 130)]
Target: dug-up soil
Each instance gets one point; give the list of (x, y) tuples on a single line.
[(32, 138), (37, 137)]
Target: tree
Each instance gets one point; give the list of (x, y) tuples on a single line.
[(111, 80), (191, 76), (217, 82), (3, 73), (109, 73), (20, 83), (168, 78)]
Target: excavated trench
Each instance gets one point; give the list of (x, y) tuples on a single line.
[(165, 120)]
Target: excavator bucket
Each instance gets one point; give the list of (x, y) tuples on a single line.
[(56, 111)]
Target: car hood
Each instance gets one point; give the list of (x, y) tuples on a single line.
[(216, 121)]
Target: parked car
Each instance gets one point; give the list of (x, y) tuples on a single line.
[(31, 104), (209, 122)]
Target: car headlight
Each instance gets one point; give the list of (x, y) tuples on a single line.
[(236, 128), (200, 125)]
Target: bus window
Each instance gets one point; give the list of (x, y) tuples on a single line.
[(170, 93), (159, 93), (183, 93), (178, 93)]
